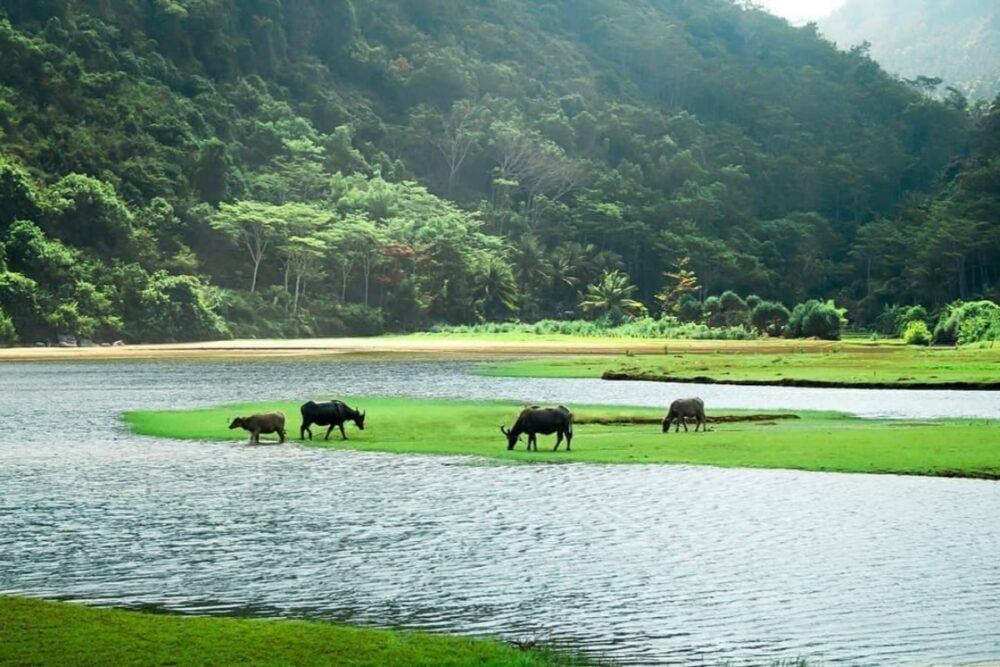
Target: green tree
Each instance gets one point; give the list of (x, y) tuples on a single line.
[(769, 317), (611, 295), (255, 225), (817, 319), (680, 282), (495, 288)]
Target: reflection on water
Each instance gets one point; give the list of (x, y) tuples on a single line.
[(644, 564)]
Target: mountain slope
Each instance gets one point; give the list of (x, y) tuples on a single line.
[(555, 141), (955, 40)]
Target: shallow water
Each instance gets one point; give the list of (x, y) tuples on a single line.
[(643, 564)]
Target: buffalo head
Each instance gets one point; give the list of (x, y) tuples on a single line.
[(512, 437)]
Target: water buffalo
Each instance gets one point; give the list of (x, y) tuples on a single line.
[(332, 413), (535, 420), (269, 422), (683, 408)]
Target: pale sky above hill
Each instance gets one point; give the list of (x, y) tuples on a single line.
[(800, 11)]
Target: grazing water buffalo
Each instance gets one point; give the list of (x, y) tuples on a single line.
[(270, 422), (535, 420), (683, 408), (332, 413)]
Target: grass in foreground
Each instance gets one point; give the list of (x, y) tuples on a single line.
[(33, 632), (817, 441), (853, 364)]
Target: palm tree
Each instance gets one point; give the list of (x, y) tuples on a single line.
[(495, 290), (612, 294)]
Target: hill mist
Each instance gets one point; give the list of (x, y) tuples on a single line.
[(957, 41)]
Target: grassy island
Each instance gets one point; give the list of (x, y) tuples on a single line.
[(604, 434), (34, 632), (782, 362)]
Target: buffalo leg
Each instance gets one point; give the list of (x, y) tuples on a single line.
[(343, 434), (569, 438), (329, 431), (684, 420), (559, 437), (305, 429), (281, 435)]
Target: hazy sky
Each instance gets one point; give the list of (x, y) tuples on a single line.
[(798, 11)]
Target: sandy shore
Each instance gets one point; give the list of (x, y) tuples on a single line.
[(434, 345)]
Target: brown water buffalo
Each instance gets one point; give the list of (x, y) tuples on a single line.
[(683, 408), (269, 422), (332, 414), (535, 420)]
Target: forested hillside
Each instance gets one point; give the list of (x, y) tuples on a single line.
[(957, 41), (185, 169)]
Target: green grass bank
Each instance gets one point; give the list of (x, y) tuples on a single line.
[(857, 365), (35, 632), (623, 435)]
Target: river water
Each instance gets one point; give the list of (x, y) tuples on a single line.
[(640, 564)]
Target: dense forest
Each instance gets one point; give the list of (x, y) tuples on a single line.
[(957, 41), (191, 169)]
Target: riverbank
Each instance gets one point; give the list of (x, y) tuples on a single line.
[(851, 365), (426, 344), (817, 441), (35, 632), (804, 363)]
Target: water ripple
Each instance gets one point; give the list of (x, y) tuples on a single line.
[(644, 564)]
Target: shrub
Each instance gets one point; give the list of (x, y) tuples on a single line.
[(769, 317), (816, 319), (983, 319), (169, 308), (689, 309), (361, 320), (908, 315), (917, 333), (886, 322), (7, 332), (734, 309), (712, 312), (666, 327)]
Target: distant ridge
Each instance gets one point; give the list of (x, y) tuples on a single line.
[(956, 40)]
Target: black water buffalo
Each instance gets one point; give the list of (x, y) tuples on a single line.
[(535, 420), (269, 422), (683, 408), (332, 413)]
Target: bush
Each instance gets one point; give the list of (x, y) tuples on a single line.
[(666, 327), (169, 308), (908, 315), (361, 320), (887, 321), (965, 323), (8, 334), (917, 333), (734, 308), (816, 319), (689, 309), (712, 312), (769, 317)]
